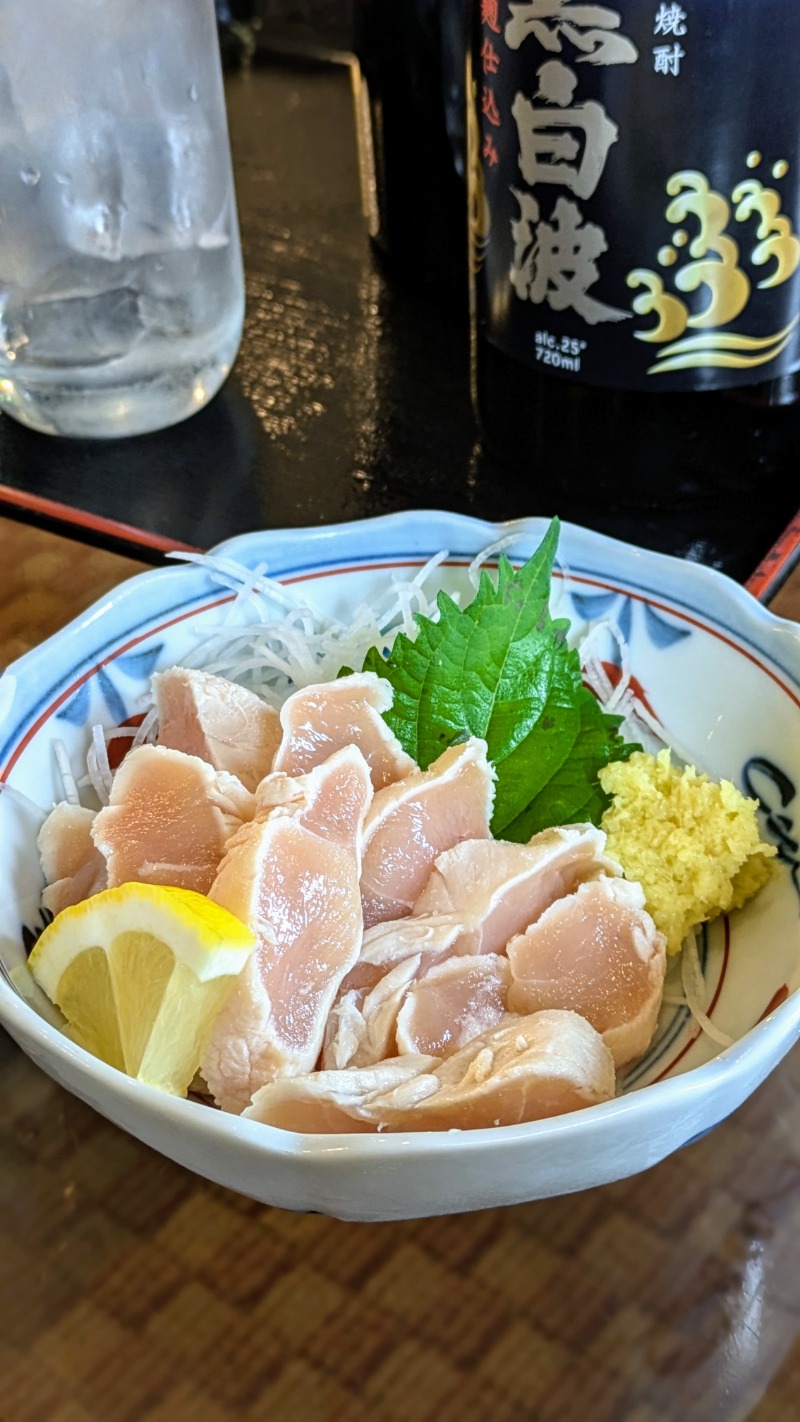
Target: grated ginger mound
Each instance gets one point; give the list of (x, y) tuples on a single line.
[(692, 843)]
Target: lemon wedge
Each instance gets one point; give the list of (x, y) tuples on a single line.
[(139, 973)]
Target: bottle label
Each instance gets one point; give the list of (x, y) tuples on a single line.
[(635, 189)]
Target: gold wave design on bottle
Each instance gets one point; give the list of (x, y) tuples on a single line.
[(715, 268), (724, 348)]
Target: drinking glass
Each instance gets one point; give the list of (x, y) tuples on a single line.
[(121, 285)]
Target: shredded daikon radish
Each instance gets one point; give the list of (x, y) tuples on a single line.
[(624, 667), (273, 641), (98, 766), (638, 722), (65, 772), (597, 678), (592, 663), (247, 593), (694, 987), (646, 724), (425, 573), (559, 588), (235, 576), (146, 730), (491, 551), (137, 735)]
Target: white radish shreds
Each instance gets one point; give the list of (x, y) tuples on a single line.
[(274, 642), (641, 725), (143, 734), (500, 545), (70, 789), (606, 632), (685, 971), (694, 986), (147, 731), (596, 677), (246, 593), (644, 726), (99, 775), (624, 682), (559, 590), (638, 724), (98, 766)]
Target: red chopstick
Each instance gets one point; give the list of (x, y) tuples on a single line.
[(777, 564), (93, 523)]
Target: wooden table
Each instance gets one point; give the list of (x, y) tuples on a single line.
[(131, 1291)]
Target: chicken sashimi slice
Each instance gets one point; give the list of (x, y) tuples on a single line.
[(278, 789), (499, 888), (598, 953), (413, 821), (224, 724), (331, 1102), (319, 720), (169, 819), (391, 942), (393, 954), (533, 1067), (344, 1032), (453, 1004), (73, 867), (239, 1053), (309, 798), (294, 878), (361, 1027)]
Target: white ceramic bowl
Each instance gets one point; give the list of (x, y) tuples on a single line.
[(721, 673)]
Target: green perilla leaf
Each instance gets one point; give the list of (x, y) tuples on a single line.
[(500, 669)]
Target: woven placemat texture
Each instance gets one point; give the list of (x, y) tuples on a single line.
[(132, 1291)]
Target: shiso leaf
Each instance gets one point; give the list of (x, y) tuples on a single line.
[(500, 668)]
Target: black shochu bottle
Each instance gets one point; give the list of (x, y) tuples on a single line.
[(410, 115), (634, 180)]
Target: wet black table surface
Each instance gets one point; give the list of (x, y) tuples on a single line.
[(350, 396)]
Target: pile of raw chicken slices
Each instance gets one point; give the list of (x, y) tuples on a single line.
[(412, 972)]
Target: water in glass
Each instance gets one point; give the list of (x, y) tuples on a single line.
[(121, 288)]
